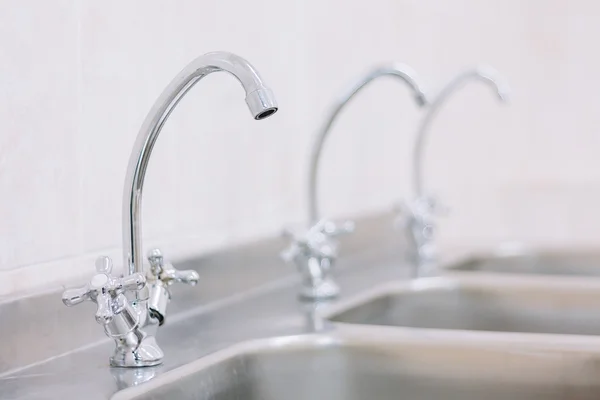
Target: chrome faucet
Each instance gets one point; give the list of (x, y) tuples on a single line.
[(314, 251), (421, 212), (132, 322)]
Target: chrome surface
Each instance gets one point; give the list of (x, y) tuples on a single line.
[(135, 327), (314, 254), (480, 303), (261, 104), (250, 295), (314, 250), (419, 215), (121, 320), (229, 271), (563, 264), (358, 364), (418, 220), (483, 73), (249, 298), (401, 71)]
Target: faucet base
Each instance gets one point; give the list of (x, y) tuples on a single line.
[(326, 289), (423, 261), (146, 354)]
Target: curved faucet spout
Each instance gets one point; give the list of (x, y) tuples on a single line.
[(401, 71), (484, 73), (259, 99)]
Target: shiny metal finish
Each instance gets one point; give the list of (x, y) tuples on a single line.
[(481, 304), (483, 73), (231, 271), (419, 215), (105, 290), (563, 264), (249, 297), (120, 319), (261, 104), (359, 364), (401, 71), (418, 221), (314, 254), (164, 275), (202, 322), (314, 251), (133, 325)]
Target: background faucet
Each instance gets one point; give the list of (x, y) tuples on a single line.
[(132, 322), (420, 213), (315, 250)]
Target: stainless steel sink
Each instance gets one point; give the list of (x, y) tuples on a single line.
[(480, 303), (585, 263), (363, 364)]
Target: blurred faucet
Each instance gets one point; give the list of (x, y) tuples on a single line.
[(314, 251), (420, 214), (133, 322)]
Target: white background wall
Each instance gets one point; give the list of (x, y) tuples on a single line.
[(78, 77)]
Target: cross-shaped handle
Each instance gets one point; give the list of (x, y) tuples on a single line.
[(105, 290), (169, 274)]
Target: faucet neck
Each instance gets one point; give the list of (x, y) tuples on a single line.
[(258, 98), (482, 73), (401, 71)]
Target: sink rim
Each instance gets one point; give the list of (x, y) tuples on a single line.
[(502, 284), (453, 261), (377, 337), (511, 282)]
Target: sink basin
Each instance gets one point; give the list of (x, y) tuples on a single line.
[(362, 364), (480, 303), (544, 263)]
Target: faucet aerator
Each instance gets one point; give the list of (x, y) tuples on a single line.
[(261, 103), (266, 114)]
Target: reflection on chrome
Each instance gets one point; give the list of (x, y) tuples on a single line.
[(314, 251), (133, 323), (418, 216)]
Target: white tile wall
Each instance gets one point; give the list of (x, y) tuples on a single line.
[(77, 78)]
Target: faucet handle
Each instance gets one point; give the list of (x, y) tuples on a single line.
[(105, 290), (317, 241), (314, 252), (167, 273), (430, 206), (332, 229)]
